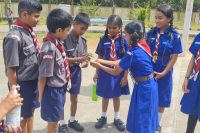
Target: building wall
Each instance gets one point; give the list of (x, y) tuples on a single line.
[(102, 12)]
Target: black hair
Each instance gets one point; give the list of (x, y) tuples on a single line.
[(116, 20), (136, 29), (82, 18), (31, 6), (58, 18), (167, 11), (113, 19)]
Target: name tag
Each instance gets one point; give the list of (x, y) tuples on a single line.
[(69, 50), (106, 43), (197, 43), (15, 36), (129, 53), (48, 57), (29, 46)]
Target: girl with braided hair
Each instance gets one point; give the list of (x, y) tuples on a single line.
[(112, 46), (165, 44), (143, 108)]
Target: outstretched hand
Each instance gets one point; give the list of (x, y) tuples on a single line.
[(94, 64)]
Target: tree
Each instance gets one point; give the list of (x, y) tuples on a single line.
[(90, 7)]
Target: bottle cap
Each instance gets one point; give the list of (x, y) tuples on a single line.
[(17, 87)]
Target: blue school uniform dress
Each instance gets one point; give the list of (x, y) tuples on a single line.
[(190, 103), (143, 108), (169, 43), (108, 86)]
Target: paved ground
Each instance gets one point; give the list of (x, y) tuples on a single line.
[(89, 111)]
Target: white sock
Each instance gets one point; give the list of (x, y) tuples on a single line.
[(116, 115), (72, 118), (61, 122), (159, 117), (104, 114)]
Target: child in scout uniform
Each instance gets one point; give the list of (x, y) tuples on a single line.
[(143, 108), (54, 70), (21, 51), (77, 55), (190, 103), (112, 46), (165, 45)]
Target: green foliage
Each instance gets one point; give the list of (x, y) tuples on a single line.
[(149, 24), (133, 13), (139, 13), (143, 14), (1, 16), (197, 5), (89, 7)]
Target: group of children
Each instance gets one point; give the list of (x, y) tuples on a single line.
[(46, 74)]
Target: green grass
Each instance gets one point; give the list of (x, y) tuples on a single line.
[(3, 22), (148, 24)]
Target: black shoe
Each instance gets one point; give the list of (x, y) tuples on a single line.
[(100, 122), (63, 129), (76, 126), (119, 124), (158, 130)]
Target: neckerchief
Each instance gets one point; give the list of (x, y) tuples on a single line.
[(61, 48), (143, 44), (196, 67), (113, 55), (20, 24)]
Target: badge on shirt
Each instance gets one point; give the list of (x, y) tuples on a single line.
[(155, 58), (47, 56), (197, 43), (107, 43)]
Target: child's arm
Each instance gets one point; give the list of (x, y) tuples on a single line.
[(189, 71), (111, 71), (41, 86), (97, 71), (77, 59), (169, 66), (12, 76), (124, 79), (107, 62)]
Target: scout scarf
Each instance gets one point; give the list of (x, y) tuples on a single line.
[(20, 24), (196, 67), (61, 48), (155, 53), (113, 55), (143, 44)]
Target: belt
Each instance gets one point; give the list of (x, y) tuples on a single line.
[(162, 57), (144, 78)]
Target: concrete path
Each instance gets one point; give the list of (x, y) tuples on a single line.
[(88, 111)]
